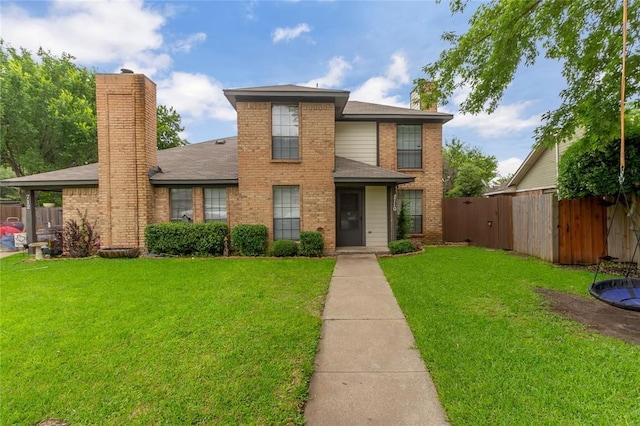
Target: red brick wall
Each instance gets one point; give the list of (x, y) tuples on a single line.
[(258, 173), (126, 109), (429, 178)]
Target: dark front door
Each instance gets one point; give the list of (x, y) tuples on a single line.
[(350, 214)]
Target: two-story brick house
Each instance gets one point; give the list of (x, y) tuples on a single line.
[(304, 159)]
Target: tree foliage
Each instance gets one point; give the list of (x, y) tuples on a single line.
[(586, 171), (466, 170), (585, 35), (48, 113), (169, 128)]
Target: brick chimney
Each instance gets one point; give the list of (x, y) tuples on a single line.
[(126, 110), (422, 86)]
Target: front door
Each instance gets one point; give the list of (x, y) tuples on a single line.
[(350, 214)]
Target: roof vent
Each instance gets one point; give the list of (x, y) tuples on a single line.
[(220, 141), (126, 71)]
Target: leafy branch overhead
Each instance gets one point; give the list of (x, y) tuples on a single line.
[(48, 113), (585, 36)]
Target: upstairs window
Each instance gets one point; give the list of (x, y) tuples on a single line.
[(215, 205), (409, 146), (286, 213), (181, 205), (284, 132), (414, 200)]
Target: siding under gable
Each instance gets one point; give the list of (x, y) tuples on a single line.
[(357, 141), (543, 174)]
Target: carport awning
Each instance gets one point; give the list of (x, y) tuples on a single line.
[(351, 171)]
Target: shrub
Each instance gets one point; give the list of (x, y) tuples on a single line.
[(184, 238), (79, 239), (250, 240), (283, 248), (401, 246), (311, 244), (404, 220)]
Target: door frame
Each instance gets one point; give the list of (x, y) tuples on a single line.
[(361, 202)]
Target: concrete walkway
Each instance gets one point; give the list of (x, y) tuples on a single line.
[(367, 370)]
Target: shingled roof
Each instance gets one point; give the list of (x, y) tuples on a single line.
[(350, 171), (213, 162)]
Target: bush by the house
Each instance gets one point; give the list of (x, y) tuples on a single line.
[(401, 246), (184, 238), (311, 244), (250, 240), (79, 239), (404, 220), (283, 248)]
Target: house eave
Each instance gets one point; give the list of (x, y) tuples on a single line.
[(375, 181), (397, 118), (204, 182), (49, 185)]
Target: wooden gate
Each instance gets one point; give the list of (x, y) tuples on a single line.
[(582, 231), (484, 222)]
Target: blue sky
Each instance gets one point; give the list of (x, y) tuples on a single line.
[(194, 49)]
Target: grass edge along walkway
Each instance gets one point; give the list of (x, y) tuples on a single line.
[(159, 341), (497, 355)]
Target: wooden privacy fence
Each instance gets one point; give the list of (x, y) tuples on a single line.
[(535, 230), (45, 216), (540, 225), (484, 222)]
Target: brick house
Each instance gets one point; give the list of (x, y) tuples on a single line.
[(304, 159)]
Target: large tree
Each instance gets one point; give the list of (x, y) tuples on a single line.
[(584, 35), (466, 170), (48, 113)]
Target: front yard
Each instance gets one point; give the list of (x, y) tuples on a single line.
[(159, 341), (232, 341), (497, 355)]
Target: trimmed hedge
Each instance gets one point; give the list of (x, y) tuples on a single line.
[(250, 240), (311, 244), (401, 246), (283, 248), (184, 238)]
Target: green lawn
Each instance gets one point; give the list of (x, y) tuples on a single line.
[(159, 341), (497, 356)]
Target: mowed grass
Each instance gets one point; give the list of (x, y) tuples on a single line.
[(497, 355), (159, 341)]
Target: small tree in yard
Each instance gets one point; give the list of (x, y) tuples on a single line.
[(79, 239), (404, 221)]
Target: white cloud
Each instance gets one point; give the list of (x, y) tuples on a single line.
[(92, 31), (377, 89), (508, 166), (334, 77), (195, 97), (188, 43), (505, 120), (287, 33)]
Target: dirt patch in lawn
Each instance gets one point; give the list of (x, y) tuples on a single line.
[(598, 316)]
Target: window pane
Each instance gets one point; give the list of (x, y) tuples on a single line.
[(409, 146), (215, 204), (414, 200), (284, 132), (181, 204), (286, 213)]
